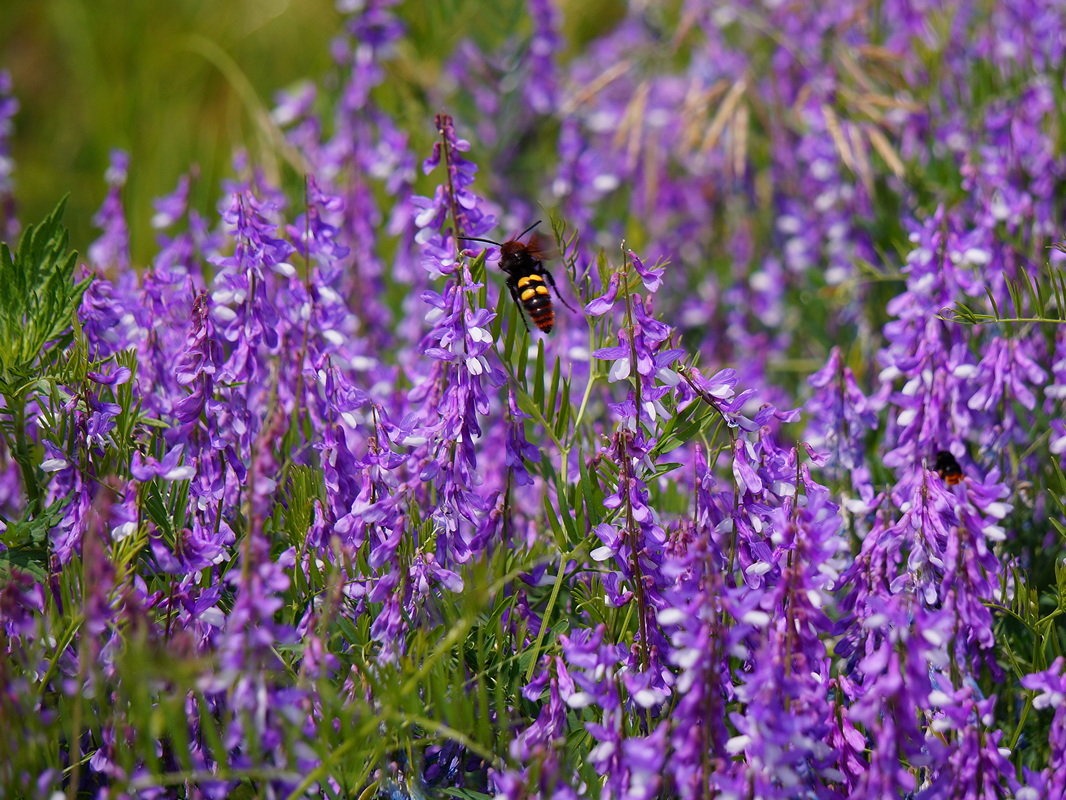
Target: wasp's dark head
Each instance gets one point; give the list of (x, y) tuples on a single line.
[(519, 258), (513, 249)]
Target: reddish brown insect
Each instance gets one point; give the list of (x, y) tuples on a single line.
[(947, 467), (522, 261)]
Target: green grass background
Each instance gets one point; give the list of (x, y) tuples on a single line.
[(173, 83), (184, 83)]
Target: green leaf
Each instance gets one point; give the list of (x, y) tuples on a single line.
[(155, 506), (26, 537), (690, 422), (33, 560), (1058, 526), (523, 360), (39, 300), (1039, 302), (562, 421), (553, 391)]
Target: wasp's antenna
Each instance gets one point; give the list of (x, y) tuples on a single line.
[(478, 239), (527, 230)]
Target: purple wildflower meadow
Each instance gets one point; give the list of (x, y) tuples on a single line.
[(303, 506)]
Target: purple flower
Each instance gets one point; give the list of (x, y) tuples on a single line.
[(1006, 371), (21, 605), (652, 277), (169, 468), (601, 305), (111, 250), (540, 87), (519, 450), (116, 377), (197, 365), (1057, 445), (9, 106), (840, 416), (1050, 686)]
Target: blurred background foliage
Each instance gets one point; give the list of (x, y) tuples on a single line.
[(183, 85), (171, 83)]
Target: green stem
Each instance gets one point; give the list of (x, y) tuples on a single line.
[(1021, 721), (22, 452), (546, 618), (593, 376)]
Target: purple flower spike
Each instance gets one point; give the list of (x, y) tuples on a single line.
[(9, 106), (541, 87), (459, 347), (1050, 686), (111, 250)]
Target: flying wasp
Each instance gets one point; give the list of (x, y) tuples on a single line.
[(947, 467), (522, 261)]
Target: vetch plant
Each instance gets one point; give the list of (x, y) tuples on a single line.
[(303, 507)]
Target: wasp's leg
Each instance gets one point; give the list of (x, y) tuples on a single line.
[(558, 294), (513, 289)]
